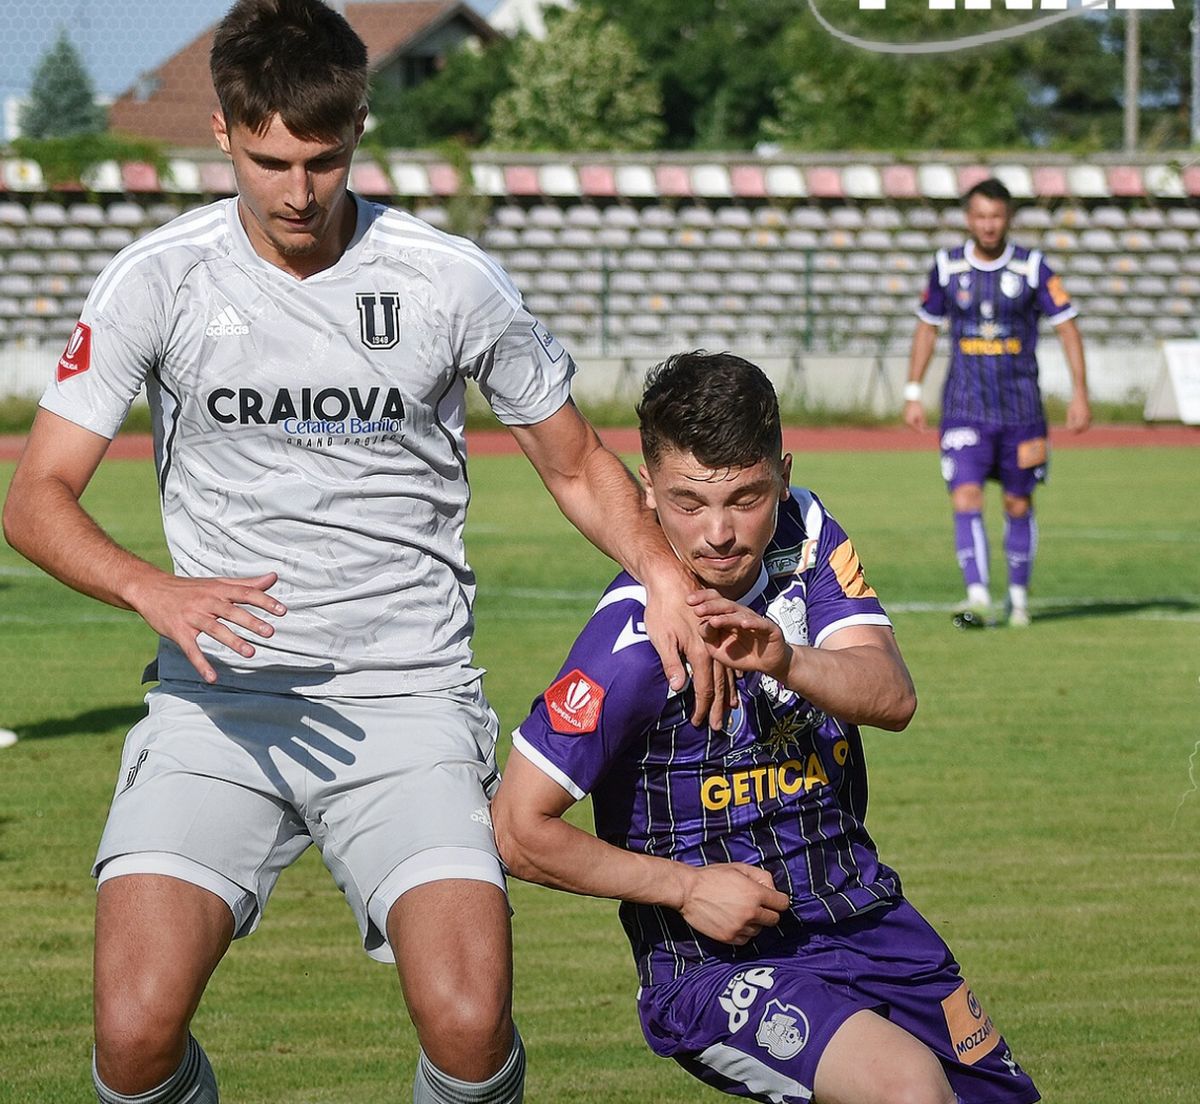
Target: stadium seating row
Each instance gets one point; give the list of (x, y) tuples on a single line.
[(611, 275), (746, 178)]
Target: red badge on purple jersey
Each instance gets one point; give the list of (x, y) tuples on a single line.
[(77, 356), (574, 703)]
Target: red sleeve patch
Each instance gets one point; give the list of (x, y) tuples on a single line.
[(574, 703), (77, 356)]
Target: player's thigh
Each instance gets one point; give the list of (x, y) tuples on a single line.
[(968, 460), (755, 1029), (453, 946), (872, 1061), (413, 807), (195, 782), (1024, 463)]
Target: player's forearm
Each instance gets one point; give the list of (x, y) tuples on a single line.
[(861, 685), (1072, 344), (551, 852), (44, 521), (923, 343)]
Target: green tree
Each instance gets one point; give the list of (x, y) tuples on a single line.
[(452, 105), (61, 98), (717, 63), (584, 87)]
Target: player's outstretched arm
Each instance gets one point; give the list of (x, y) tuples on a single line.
[(729, 902), (44, 521), (1079, 409), (923, 343), (601, 498), (857, 674)]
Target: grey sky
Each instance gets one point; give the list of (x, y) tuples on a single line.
[(118, 39)]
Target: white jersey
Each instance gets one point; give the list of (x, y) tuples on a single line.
[(315, 428)]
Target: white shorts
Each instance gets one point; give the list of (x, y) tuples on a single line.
[(393, 791)]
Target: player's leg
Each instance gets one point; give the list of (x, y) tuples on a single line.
[(1023, 465), (1020, 547), (870, 1060), (190, 852), (453, 950), (158, 940), (971, 543), (414, 853), (967, 461)]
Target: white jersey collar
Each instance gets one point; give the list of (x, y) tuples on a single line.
[(987, 266)]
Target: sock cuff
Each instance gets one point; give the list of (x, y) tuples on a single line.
[(174, 1090), (502, 1087)]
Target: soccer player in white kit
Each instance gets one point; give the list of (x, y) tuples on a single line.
[(305, 355)]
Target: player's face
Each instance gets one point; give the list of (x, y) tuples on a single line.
[(987, 223), (292, 192), (718, 521)]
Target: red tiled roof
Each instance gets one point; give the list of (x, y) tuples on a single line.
[(177, 111)]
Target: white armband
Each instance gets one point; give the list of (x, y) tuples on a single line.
[(912, 391)]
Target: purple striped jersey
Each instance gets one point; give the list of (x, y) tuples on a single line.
[(783, 787), (993, 308)]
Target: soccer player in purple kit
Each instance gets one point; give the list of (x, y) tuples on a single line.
[(777, 956), (993, 293)]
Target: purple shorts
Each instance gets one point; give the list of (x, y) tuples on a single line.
[(1017, 456), (758, 1028)]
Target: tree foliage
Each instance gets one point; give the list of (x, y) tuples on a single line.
[(61, 98), (584, 87), (453, 105)]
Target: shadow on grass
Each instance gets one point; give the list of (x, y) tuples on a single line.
[(1116, 607), (83, 724)]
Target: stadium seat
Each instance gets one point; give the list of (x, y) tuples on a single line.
[(538, 237), (736, 217), (875, 239), (846, 218), (545, 215), (1098, 239), (37, 238), (1147, 218), (499, 238), (773, 218), (725, 237), (1061, 239), (614, 237), (757, 260), (125, 214), (953, 218), (800, 239), (14, 214), (651, 237), (705, 281), (1183, 218), (1160, 264), (716, 260), (809, 218), (64, 263), (47, 214), (25, 263), (1088, 263), (915, 241), (1138, 240), (1174, 240), (584, 215), (1113, 218)]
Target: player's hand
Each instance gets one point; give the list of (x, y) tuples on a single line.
[(732, 902), (914, 416), (1079, 413), (739, 638), (183, 610), (678, 637)]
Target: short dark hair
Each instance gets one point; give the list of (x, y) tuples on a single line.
[(991, 188), (296, 58), (717, 406)]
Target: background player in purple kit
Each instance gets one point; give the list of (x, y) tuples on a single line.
[(776, 954), (993, 426)]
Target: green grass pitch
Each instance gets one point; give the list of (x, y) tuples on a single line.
[(1039, 808)]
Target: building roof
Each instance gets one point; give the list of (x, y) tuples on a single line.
[(173, 103)]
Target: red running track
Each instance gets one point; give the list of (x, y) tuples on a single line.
[(493, 442)]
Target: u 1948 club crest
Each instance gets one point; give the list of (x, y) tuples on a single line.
[(379, 318)]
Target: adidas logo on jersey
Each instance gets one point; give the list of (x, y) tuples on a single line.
[(226, 324)]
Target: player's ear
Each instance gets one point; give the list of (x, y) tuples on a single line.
[(360, 123), (647, 486), (221, 131), (785, 474)]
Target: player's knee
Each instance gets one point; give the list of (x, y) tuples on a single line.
[(135, 1051), (1016, 506)]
